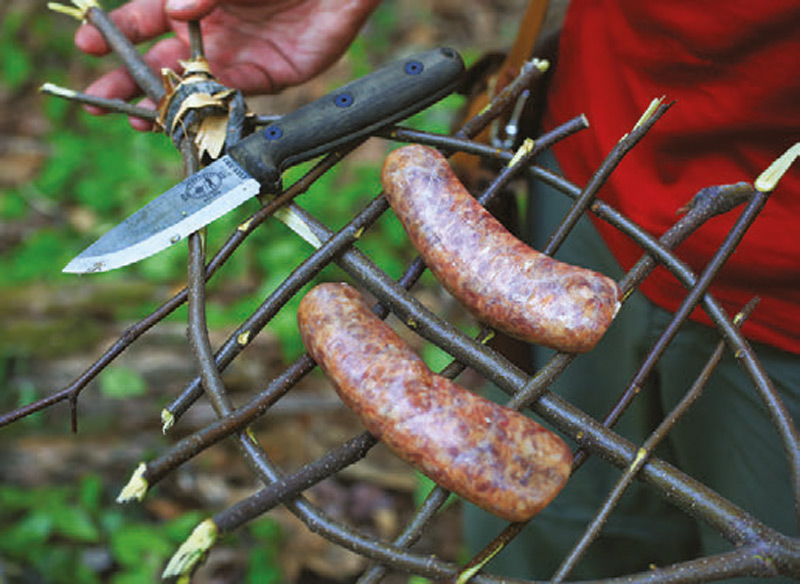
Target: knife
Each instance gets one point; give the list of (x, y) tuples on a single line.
[(255, 163)]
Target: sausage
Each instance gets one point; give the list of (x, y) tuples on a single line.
[(494, 275), (489, 454)]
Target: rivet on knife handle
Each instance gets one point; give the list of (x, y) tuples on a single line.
[(354, 110)]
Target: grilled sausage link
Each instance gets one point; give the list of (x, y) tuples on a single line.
[(494, 275), (489, 454)]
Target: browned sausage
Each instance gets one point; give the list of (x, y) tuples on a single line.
[(489, 454), (498, 278)]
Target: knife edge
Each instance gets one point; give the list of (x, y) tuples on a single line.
[(98, 258)]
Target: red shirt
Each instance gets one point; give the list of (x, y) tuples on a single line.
[(733, 68)]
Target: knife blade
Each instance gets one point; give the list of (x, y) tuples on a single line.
[(255, 163)]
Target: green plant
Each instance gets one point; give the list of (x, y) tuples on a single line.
[(51, 534), (263, 566)]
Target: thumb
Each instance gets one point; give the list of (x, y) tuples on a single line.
[(189, 9)]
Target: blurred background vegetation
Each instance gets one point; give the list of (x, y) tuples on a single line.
[(65, 178)]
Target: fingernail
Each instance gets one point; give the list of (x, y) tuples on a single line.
[(179, 5)]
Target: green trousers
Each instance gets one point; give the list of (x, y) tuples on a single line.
[(726, 440)]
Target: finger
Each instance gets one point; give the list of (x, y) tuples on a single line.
[(189, 9), (139, 124), (139, 20), (250, 79), (166, 54), (116, 84)]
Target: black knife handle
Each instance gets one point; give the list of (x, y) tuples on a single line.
[(357, 109)]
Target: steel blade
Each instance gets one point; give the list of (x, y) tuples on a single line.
[(166, 220)]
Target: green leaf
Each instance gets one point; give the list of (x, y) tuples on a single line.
[(13, 205), (74, 523), (27, 535), (57, 563), (133, 545), (263, 567), (41, 254), (435, 358), (121, 382), (267, 529), (181, 527), (15, 62), (91, 492), (81, 574), (423, 488), (15, 66), (143, 575), (16, 498), (113, 519)]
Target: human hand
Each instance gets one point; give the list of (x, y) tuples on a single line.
[(257, 46)]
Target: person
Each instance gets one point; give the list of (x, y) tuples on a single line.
[(733, 70), (257, 46)]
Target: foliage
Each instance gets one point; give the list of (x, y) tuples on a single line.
[(121, 382), (73, 535), (16, 65), (72, 182)]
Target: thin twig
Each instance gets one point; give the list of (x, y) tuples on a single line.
[(649, 445), (267, 472), (365, 218), (290, 486), (715, 510), (137, 67), (112, 105), (195, 40), (687, 306), (530, 71), (299, 277), (599, 178), (687, 493)]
